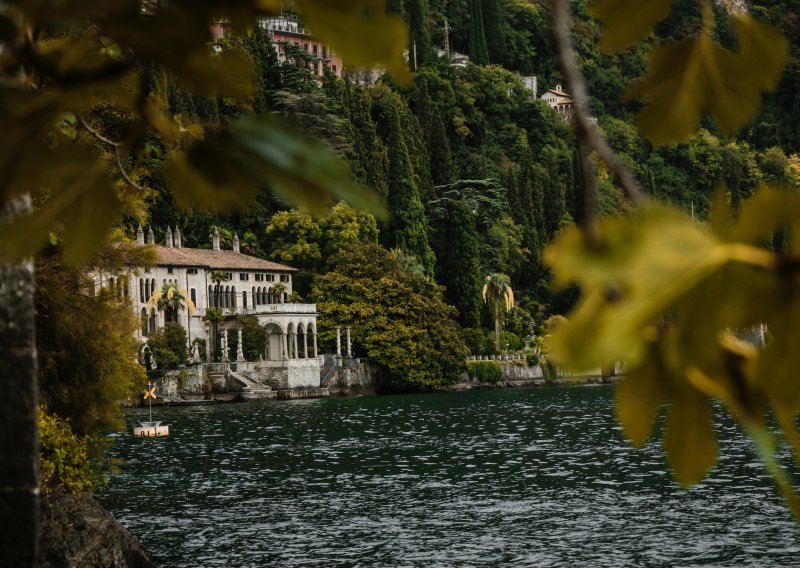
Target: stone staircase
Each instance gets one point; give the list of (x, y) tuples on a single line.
[(250, 388)]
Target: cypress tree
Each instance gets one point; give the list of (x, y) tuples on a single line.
[(408, 227), (493, 28), (369, 155), (267, 69), (420, 37), (458, 258), (478, 52), (435, 136)]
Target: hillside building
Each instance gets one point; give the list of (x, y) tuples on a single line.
[(559, 101), (252, 287)]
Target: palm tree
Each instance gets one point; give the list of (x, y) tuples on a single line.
[(497, 286), (171, 299), (279, 289)]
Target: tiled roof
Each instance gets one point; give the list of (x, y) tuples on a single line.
[(215, 259)]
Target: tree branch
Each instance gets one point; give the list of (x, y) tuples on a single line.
[(117, 151), (585, 129)]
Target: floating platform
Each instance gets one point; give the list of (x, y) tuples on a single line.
[(150, 430)]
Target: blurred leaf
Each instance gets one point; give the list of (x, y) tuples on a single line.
[(721, 215), (635, 270), (8, 29), (769, 210), (697, 75), (689, 436), (628, 21), (362, 32), (223, 170), (639, 396), (83, 202)]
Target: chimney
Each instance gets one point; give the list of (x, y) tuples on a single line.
[(235, 242), (151, 238), (215, 240), (177, 238), (139, 235), (168, 237)]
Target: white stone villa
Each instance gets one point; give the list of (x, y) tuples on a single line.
[(252, 286), (559, 101)]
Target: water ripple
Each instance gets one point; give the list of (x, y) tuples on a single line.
[(520, 478)]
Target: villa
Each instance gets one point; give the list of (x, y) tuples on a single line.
[(235, 284)]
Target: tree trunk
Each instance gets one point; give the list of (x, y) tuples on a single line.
[(19, 436), (496, 325)]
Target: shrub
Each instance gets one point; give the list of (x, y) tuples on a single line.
[(485, 371), (532, 359), (64, 457), (254, 338), (168, 345)]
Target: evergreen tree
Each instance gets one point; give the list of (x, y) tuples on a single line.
[(478, 52), (420, 37), (369, 162), (457, 247), (408, 228), (494, 33)]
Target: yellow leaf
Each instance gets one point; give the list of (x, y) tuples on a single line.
[(628, 21), (639, 395), (689, 438), (769, 210), (363, 33), (689, 78)]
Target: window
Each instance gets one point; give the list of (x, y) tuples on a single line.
[(244, 300), (170, 270), (244, 276), (191, 271), (259, 277), (147, 271), (316, 68), (193, 295), (314, 49), (324, 52), (270, 278), (334, 69), (229, 275), (141, 291), (284, 277)]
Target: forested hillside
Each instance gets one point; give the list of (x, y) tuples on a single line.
[(478, 176)]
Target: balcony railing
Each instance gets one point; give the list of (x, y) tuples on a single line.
[(279, 309)]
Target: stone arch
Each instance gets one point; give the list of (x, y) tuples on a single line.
[(275, 341), (311, 328), (233, 297), (153, 320), (143, 316), (302, 341), (141, 290)]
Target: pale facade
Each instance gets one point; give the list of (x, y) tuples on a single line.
[(559, 101), (252, 287)]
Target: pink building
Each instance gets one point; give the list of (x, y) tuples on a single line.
[(287, 30)]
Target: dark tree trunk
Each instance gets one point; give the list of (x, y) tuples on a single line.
[(19, 438)]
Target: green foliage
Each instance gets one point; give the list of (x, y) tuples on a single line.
[(113, 60), (85, 342), (478, 52), (485, 371), (399, 320), (345, 226), (254, 337), (168, 345), (532, 359), (64, 458), (294, 239)]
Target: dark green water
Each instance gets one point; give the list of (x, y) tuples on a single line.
[(536, 477)]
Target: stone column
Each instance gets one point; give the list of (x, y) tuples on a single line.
[(338, 341), (285, 343), (349, 345), (316, 354), (294, 342), (305, 343)]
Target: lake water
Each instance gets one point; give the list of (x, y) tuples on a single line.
[(536, 477)]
